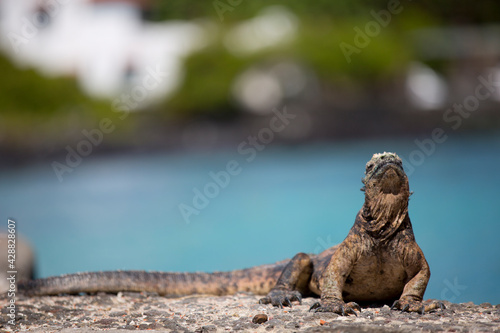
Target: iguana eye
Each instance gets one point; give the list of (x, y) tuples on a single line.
[(369, 167)]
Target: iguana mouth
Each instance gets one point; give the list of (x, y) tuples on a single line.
[(390, 178), (384, 162), (385, 171)]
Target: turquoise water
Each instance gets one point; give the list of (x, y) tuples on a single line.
[(123, 212)]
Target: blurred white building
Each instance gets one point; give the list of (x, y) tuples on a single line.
[(105, 44)]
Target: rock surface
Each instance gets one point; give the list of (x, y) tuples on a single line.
[(139, 311)]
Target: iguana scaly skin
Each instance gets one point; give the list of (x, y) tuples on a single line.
[(378, 261), (258, 280)]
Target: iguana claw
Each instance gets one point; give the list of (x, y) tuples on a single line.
[(409, 305), (337, 307), (315, 306), (281, 298)]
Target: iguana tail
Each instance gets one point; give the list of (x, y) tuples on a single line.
[(258, 280)]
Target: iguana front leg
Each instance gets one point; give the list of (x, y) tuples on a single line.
[(413, 292), (332, 281), (292, 282)]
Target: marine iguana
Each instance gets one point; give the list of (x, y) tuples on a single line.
[(378, 261)]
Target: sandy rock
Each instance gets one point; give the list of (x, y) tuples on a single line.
[(136, 311)]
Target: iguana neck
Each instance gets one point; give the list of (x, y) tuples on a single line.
[(384, 214)]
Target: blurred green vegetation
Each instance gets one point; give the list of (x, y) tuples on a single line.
[(34, 108), (444, 11), (322, 27), (207, 85), (28, 92), (39, 111)]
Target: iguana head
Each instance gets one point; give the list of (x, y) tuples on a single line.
[(386, 194), (385, 172)]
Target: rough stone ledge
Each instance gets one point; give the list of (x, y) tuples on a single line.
[(139, 311)]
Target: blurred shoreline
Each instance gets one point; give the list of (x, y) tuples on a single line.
[(213, 135)]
